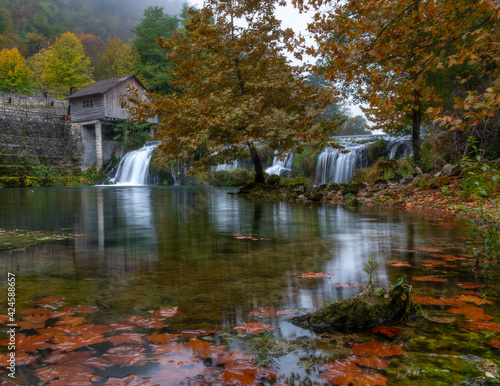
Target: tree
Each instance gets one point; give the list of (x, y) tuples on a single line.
[(67, 66), (153, 65), (355, 126), (385, 51), (238, 91), (94, 48), (37, 66), (13, 69), (119, 59)]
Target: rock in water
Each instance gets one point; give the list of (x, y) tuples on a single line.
[(362, 311)]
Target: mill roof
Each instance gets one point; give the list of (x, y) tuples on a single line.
[(102, 86)]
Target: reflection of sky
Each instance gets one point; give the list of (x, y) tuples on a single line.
[(134, 206)]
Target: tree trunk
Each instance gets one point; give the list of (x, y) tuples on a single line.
[(259, 172), (415, 132)]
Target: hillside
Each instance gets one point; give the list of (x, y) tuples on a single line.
[(31, 25)]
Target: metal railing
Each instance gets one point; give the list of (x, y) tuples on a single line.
[(31, 104)]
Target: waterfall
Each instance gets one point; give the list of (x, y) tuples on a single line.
[(133, 168), (231, 166), (335, 166), (399, 148), (178, 172), (280, 167)]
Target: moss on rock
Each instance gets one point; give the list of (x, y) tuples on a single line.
[(362, 311)]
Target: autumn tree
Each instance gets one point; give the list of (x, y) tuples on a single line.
[(384, 52), (153, 65), (66, 65), (238, 90), (119, 59), (14, 73)]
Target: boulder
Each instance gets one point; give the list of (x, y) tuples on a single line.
[(417, 171), (450, 170), (362, 311)]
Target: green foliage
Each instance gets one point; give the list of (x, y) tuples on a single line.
[(305, 162), (355, 126), (153, 66), (297, 180), (238, 177), (371, 268), (376, 150), (480, 184), (43, 171), (262, 346), (481, 179), (484, 226), (426, 158), (132, 135)]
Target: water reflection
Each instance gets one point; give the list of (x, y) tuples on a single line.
[(146, 247)]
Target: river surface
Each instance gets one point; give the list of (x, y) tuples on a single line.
[(217, 257)]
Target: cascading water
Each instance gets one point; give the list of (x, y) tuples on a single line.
[(231, 166), (399, 148), (335, 166), (280, 167), (133, 168)]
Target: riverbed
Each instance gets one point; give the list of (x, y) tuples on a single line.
[(213, 261)]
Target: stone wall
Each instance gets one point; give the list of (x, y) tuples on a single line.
[(28, 145)]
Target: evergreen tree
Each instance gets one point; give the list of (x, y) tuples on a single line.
[(153, 65)]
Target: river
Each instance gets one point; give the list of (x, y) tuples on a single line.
[(218, 257)]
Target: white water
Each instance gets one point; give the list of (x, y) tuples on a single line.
[(133, 168), (399, 149), (281, 168), (231, 166), (338, 167)]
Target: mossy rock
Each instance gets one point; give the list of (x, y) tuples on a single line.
[(313, 195), (380, 170), (273, 180), (438, 182), (352, 188), (362, 311)]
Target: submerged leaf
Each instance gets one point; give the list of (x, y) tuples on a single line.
[(388, 331), (315, 275), (166, 312), (378, 349), (441, 320), (429, 278), (495, 343), (348, 373), (254, 328), (480, 326), (270, 312)]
